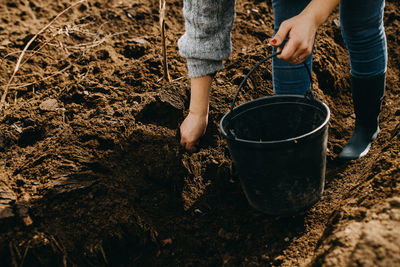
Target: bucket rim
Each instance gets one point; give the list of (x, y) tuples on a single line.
[(296, 138)]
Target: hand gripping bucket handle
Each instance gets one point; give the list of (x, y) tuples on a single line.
[(309, 94)]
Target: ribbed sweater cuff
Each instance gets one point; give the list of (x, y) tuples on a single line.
[(201, 67)]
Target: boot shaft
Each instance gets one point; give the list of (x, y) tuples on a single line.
[(368, 93)]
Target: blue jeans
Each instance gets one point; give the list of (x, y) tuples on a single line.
[(362, 30)]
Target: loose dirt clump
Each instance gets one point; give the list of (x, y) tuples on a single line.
[(92, 173), (372, 241)]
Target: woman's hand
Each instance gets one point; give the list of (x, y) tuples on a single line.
[(192, 128), (301, 31), (195, 124)]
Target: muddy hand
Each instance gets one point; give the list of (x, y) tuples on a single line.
[(193, 127)]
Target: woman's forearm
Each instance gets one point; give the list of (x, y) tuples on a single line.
[(199, 95)]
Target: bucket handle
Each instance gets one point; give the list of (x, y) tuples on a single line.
[(309, 94)]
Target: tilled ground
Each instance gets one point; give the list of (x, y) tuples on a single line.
[(91, 168)]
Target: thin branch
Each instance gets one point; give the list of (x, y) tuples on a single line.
[(163, 43), (3, 97), (12, 253), (25, 253), (90, 44), (37, 51), (41, 80), (27, 51)]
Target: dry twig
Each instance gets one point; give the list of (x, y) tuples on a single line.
[(164, 46), (28, 246), (41, 80), (12, 253), (3, 97), (27, 51), (36, 51), (94, 43), (103, 253)]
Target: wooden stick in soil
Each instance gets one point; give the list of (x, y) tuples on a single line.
[(12, 253), (25, 253), (163, 43), (3, 97)]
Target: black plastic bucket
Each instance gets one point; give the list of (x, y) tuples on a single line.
[(278, 145)]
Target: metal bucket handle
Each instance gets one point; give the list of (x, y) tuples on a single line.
[(308, 95)]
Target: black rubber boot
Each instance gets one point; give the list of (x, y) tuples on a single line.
[(367, 98)]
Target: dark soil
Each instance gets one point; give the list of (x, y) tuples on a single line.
[(91, 168)]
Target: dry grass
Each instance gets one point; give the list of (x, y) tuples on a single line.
[(18, 64)]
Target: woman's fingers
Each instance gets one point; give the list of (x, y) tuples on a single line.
[(190, 146), (191, 130), (280, 36), (295, 51), (299, 32), (298, 57), (290, 52)]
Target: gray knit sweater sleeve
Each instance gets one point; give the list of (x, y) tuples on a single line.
[(207, 38)]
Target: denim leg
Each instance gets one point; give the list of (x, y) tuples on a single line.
[(289, 78), (364, 34)]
